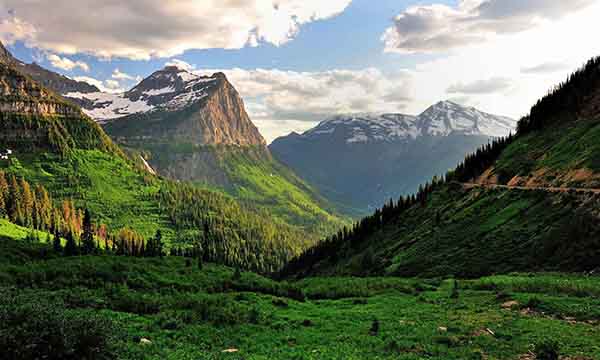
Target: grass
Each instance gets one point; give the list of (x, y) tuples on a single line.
[(265, 183), (188, 313)]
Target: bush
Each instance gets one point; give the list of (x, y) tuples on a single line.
[(35, 328), (547, 350)]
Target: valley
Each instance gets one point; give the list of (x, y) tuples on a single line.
[(156, 223)]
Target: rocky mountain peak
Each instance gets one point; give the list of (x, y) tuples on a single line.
[(449, 118)]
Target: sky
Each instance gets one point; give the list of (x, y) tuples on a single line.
[(297, 62)]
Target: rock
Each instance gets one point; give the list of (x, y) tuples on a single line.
[(144, 341), (510, 304)]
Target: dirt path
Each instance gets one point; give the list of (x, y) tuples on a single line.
[(548, 189)]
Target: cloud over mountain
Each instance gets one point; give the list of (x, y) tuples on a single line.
[(141, 29)]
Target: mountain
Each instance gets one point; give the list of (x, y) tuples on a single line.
[(528, 202), (362, 160), (68, 159)]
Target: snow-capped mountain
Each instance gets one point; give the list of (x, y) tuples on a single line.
[(356, 128), (447, 117), (442, 119), (361, 160), (168, 89)]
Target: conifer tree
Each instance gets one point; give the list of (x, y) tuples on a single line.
[(15, 209), (2, 205), (88, 246), (158, 243), (3, 185), (28, 201), (71, 246), (56, 245)]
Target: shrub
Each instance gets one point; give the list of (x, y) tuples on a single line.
[(374, 331), (547, 350), (35, 328)]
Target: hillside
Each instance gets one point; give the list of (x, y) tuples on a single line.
[(457, 228), (361, 161)]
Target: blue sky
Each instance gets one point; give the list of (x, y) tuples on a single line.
[(313, 58), (350, 40)]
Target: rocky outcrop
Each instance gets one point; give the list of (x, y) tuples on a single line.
[(222, 120), (34, 118)]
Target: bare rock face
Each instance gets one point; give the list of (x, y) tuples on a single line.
[(222, 120)]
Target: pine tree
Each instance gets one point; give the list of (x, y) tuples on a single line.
[(56, 245), (15, 209), (88, 246), (44, 208), (27, 203), (3, 195), (158, 243), (2, 205), (71, 247)]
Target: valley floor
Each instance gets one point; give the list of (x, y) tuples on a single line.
[(135, 308)]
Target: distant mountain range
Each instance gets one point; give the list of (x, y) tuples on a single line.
[(362, 160)]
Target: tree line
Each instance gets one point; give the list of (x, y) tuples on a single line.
[(32, 207), (565, 101)]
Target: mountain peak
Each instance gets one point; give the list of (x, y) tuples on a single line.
[(447, 117)]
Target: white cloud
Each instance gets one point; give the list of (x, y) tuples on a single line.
[(545, 68), (181, 64), (141, 29), (119, 75), (439, 27), (108, 86), (64, 63), (486, 86), (553, 49)]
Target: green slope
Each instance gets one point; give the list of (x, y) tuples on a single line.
[(250, 175), (470, 233)]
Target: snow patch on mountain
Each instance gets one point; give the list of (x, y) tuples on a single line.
[(362, 128), (446, 118), (110, 106), (169, 89), (442, 119)]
